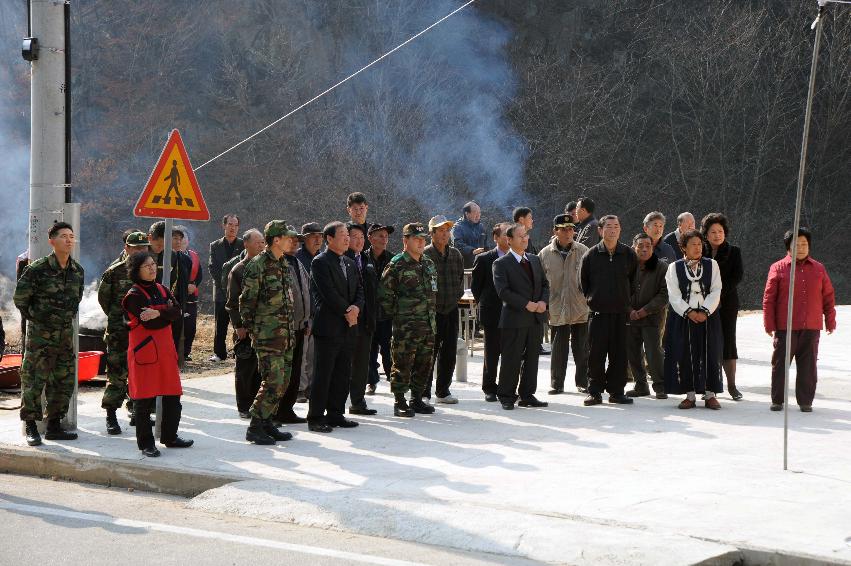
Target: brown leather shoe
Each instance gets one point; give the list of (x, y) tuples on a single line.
[(712, 403), (687, 404)]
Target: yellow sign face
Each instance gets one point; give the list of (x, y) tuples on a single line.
[(172, 190)]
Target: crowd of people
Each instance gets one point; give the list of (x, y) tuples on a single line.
[(313, 310)]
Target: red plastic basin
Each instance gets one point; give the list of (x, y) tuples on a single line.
[(10, 365)]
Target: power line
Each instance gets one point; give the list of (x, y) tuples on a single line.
[(326, 91)]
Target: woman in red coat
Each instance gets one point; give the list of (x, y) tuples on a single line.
[(151, 357)]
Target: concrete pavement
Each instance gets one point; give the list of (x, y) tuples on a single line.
[(595, 485)]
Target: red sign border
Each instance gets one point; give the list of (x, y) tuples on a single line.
[(142, 211)]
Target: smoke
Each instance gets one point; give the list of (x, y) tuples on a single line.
[(91, 315), (14, 139), (430, 119)]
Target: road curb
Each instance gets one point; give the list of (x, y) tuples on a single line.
[(110, 472)]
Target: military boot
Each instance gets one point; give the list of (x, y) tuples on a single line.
[(256, 435), (418, 406), (33, 437), (56, 432), (273, 431), (112, 426), (401, 408)]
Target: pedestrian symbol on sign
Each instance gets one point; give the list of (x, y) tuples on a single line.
[(174, 183)]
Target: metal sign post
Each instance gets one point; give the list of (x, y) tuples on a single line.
[(166, 282), (793, 249)]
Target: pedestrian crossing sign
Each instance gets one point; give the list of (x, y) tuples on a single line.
[(172, 190)]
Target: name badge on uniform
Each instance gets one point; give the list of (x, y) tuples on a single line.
[(434, 284)]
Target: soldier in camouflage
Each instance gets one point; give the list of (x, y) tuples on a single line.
[(266, 310), (408, 293), (113, 286), (48, 295)]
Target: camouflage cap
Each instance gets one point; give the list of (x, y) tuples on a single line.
[(415, 229), (137, 240), (278, 228)]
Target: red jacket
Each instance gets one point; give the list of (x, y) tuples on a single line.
[(814, 299)]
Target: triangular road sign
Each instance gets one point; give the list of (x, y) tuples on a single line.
[(172, 190)]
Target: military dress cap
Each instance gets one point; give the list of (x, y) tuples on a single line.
[(278, 228), (377, 227), (311, 228), (137, 240), (415, 229), (438, 221), (563, 221)]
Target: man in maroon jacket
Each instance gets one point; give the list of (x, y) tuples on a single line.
[(813, 308)]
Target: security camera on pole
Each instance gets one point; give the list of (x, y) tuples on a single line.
[(172, 191)]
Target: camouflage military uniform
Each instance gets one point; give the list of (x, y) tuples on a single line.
[(408, 294), (48, 297), (113, 286), (266, 309)]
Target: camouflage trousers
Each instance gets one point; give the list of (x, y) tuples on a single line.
[(48, 366), (411, 348), (116, 372), (275, 370)]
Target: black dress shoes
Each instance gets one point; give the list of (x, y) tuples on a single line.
[(592, 400), (179, 443), (555, 391), (151, 452), (620, 400), (362, 411), (343, 423), (291, 418), (318, 427), (490, 397), (508, 405), (532, 402)]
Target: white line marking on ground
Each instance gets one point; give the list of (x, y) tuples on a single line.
[(160, 527)]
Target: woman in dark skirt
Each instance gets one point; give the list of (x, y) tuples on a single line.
[(151, 356), (716, 229), (693, 327)]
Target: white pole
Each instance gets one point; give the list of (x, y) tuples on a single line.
[(793, 249)]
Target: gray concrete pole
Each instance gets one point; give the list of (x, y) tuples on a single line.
[(72, 216), (47, 150), (49, 181)]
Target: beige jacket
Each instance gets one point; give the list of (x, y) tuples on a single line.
[(567, 303)]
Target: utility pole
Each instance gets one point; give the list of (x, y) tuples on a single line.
[(47, 48)]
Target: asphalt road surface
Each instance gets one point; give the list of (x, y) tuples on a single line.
[(55, 522)]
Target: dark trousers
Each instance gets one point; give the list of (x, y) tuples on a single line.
[(247, 381), (332, 366), (646, 341), (360, 369), (220, 335), (285, 407), (190, 325), (607, 337), (491, 362), (170, 420), (805, 354), (381, 344), (520, 350), (568, 337), (445, 354)]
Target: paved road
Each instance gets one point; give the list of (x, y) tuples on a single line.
[(52, 522)]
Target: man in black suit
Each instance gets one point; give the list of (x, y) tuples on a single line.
[(338, 298), (366, 320), (490, 306), (685, 222), (519, 281), (222, 250)]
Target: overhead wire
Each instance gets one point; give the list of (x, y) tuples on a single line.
[(331, 88)]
